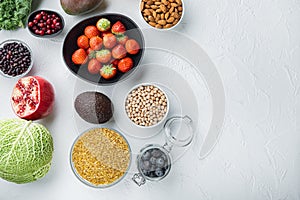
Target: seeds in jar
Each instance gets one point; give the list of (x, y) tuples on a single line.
[(15, 59), (146, 105), (101, 156), (160, 11)]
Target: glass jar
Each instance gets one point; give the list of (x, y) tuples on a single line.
[(154, 161)]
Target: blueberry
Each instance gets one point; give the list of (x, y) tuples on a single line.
[(160, 162), (152, 168), (163, 156), (156, 153), (152, 175), (159, 172), (146, 165), (153, 160), (146, 155), (145, 172)]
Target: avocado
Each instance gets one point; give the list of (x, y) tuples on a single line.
[(77, 7), (94, 107)]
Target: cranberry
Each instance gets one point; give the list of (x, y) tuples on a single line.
[(38, 17), (45, 23)]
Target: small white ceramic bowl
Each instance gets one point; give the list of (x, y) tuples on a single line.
[(161, 121), (2, 72), (162, 29)]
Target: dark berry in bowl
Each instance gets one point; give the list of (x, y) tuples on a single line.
[(15, 58), (45, 23)]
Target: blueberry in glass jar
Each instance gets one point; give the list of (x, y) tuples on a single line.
[(154, 163), (15, 58)]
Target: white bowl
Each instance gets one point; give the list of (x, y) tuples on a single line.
[(31, 57), (165, 115), (163, 29)]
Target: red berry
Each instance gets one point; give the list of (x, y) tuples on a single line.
[(38, 16), (30, 24)]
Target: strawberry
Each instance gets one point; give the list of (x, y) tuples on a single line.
[(83, 42), (94, 66), (103, 55), (122, 39), (108, 71), (125, 64), (103, 24), (118, 52), (118, 28), (91, 31), (95, 43), (109, 40), (79, 57), (132, 46)]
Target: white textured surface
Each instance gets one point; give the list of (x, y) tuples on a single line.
[(255, 46)]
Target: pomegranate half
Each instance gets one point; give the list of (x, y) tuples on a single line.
[(32, 98)]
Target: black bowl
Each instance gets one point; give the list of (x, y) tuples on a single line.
[(49, 12), (70, 45)]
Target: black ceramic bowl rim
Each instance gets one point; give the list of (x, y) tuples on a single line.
[(87, 182), (31, 16), (69, 48)]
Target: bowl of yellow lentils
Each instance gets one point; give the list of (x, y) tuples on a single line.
[(100, 157)]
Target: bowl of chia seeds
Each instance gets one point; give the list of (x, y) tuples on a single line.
[(15, 58)]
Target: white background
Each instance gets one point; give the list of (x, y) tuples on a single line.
[(255, 46)]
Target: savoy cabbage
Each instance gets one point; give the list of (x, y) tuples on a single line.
[(25, 150)]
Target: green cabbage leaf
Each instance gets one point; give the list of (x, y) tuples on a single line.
[(26, 150)]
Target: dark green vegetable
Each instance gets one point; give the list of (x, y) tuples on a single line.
[(13, 13)]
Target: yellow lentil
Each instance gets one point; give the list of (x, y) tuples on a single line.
[(101, 156)]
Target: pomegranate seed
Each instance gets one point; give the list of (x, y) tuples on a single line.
[(35, 21), (30, 24)]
